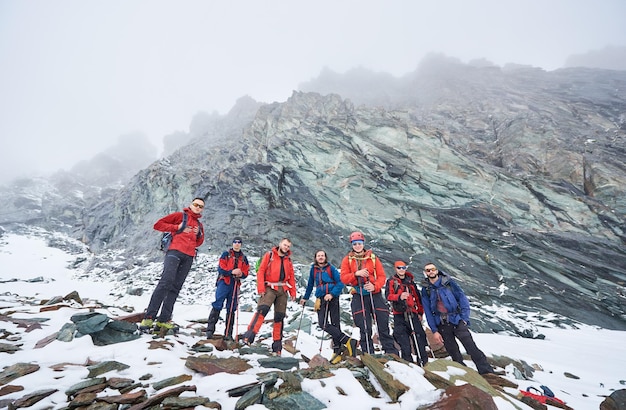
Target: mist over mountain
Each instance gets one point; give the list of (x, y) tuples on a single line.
[(610, 58), (511, 178), (118, 163)]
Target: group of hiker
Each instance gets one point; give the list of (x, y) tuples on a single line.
[(440, 299)]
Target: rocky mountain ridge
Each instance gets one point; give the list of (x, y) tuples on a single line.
[(512, 180)]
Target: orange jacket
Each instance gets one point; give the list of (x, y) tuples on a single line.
[(185, 242), (269, 272), (353, 262)]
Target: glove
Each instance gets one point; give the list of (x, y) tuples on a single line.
[(318, 304)]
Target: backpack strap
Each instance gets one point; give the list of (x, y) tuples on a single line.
[(184, 224)]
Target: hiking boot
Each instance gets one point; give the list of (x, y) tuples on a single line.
[(277, 346), (247, 338), (276, 354), (210, 327), (146, 323), (165, 325), (351, 347), (336, 358)]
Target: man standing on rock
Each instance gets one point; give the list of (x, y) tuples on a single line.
[(275, 283), (187, 235), (407, 311), (232, 267), (448, 315), (364, 272)]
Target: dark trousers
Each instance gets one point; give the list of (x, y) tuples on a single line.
[(175, 269), (363, 309), (408, 329), (450, 333), (328, 319)]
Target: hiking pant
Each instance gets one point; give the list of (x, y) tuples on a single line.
[(175, 269), (407, 330), (226, 293), (278, 298), (328, 319), (362, 314), (450, 333)]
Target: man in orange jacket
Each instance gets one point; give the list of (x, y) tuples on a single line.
[(275, 283), (362, 270)]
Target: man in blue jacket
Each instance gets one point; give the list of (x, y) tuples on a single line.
[(447, 312)]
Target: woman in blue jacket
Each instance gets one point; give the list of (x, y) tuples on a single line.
[(447, 312), (328, 287)]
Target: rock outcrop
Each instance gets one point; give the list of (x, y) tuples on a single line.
[(512, 179)]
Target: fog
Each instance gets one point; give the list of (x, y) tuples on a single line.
[(76, 75)]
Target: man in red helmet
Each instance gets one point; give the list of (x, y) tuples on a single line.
[(362, 270)]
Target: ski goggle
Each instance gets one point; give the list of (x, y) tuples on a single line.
[(357, 243)]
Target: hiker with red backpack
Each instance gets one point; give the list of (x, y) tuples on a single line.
[(187, 235), (407, 310), (232, 267), (328, 287), (448, 315), (364, 273), (275, 283)]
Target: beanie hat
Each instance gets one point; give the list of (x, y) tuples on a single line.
[(237, 238), (399, 263)]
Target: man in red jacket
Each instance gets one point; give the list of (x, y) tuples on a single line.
[(407, 312), (275, 283), (178, 260), (364, 272)]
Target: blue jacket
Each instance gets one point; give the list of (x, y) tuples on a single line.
[(326, 279), (453, 299)]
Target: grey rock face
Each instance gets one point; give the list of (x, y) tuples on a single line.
[(512, 180)]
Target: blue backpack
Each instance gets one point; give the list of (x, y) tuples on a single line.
[(166, 238)]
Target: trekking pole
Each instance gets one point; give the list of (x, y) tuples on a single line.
[(232, 304), (408, 316), (300, 324), (374, 321), (325, 321), (367, 335)]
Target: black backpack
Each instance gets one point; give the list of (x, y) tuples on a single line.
[(166, 238)]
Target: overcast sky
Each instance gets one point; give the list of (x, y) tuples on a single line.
[(75, 75)]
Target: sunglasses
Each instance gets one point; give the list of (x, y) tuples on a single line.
[(401, 267), (197, 205), (236, 241), (430, 269), (357, 243)]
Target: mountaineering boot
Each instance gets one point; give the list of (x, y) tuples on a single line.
[(337, 356), (210, 326), (350, 346), (277, 347), (165, 328), (228, 333), (146, 325), (247, 338)]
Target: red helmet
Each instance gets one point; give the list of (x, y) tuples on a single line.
[(357, 236)]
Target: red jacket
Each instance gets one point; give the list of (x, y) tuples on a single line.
[(269, 273), (353, 262), (396, 286), (185, 242), (227, 262)]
